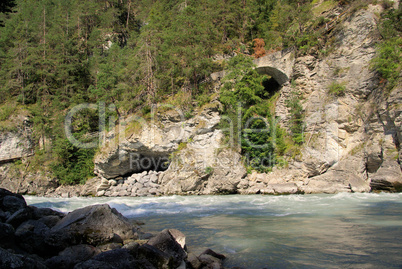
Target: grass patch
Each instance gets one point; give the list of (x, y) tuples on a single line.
[(182, 146), (323, 7), (357, 149), (336, 89), (182, 100), (134, 127), (6, 111), (11, 116), (209, 170), (341, 70)]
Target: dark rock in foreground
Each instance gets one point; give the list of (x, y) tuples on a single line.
[(93, 237), (94, 225)]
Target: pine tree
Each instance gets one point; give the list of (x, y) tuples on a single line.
[(6, 6)]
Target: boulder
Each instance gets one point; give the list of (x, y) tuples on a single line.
[(4, 215), (71, 256), (154, 191), (285, 188), (13, 203), (104, 185), (14, 261), (107, 247), (210, 262), (31, 237), (43, 212), (374, 158), (387, 178), (4, 193), (7, 237), (193, 261), (213, 254), (132, 247), (93, 264), (357, 184), (20, 216), (94, 225), (314, 167), (61, 262), (79, 252), (156, 257), (50, 221), (154, 178), (117, 258), (172, 242)]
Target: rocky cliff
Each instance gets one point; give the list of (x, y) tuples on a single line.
[(352, 140)]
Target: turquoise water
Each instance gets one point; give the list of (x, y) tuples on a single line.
[(297, 231)]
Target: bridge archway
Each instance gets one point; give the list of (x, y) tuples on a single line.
[(280, 77)]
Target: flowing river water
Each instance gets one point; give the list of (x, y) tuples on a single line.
[(296, 231)]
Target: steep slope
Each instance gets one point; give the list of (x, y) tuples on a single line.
[(351, 132), (351, 139)]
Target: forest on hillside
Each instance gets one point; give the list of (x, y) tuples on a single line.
[(55, 54)]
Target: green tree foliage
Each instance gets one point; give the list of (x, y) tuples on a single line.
[(388, 61), (6, 6), (55, 54), (50, 53), (73, 165), (248, 106), (288, 24)]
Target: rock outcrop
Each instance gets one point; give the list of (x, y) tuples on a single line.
[(150, 146), (352, 141), (18, 142), (91, 237), (198, 161)]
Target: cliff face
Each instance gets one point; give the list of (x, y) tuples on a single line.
[(16, 143), (352, 141), (172, 156)]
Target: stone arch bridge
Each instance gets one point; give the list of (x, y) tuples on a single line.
[(278, 65)]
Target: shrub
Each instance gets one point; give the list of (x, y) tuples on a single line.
[(203, 99), (388, 61), (389, 52), (182, 146), (6, 111), (188, 115), (296, 118), (336, 89), (259, 48), (73, 165), (209, 170), (387, 4)]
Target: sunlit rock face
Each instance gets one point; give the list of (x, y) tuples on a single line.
[(352, 142)]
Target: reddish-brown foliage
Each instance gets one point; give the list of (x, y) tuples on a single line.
[(259, 48)]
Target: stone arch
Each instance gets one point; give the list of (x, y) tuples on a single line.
[(277, 74), (278, 65)]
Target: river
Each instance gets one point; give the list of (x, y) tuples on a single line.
[(342, 230)]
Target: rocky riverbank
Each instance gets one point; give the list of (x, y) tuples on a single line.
[(88, 238)]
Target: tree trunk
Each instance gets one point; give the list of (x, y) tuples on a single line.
[(128, 12)]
